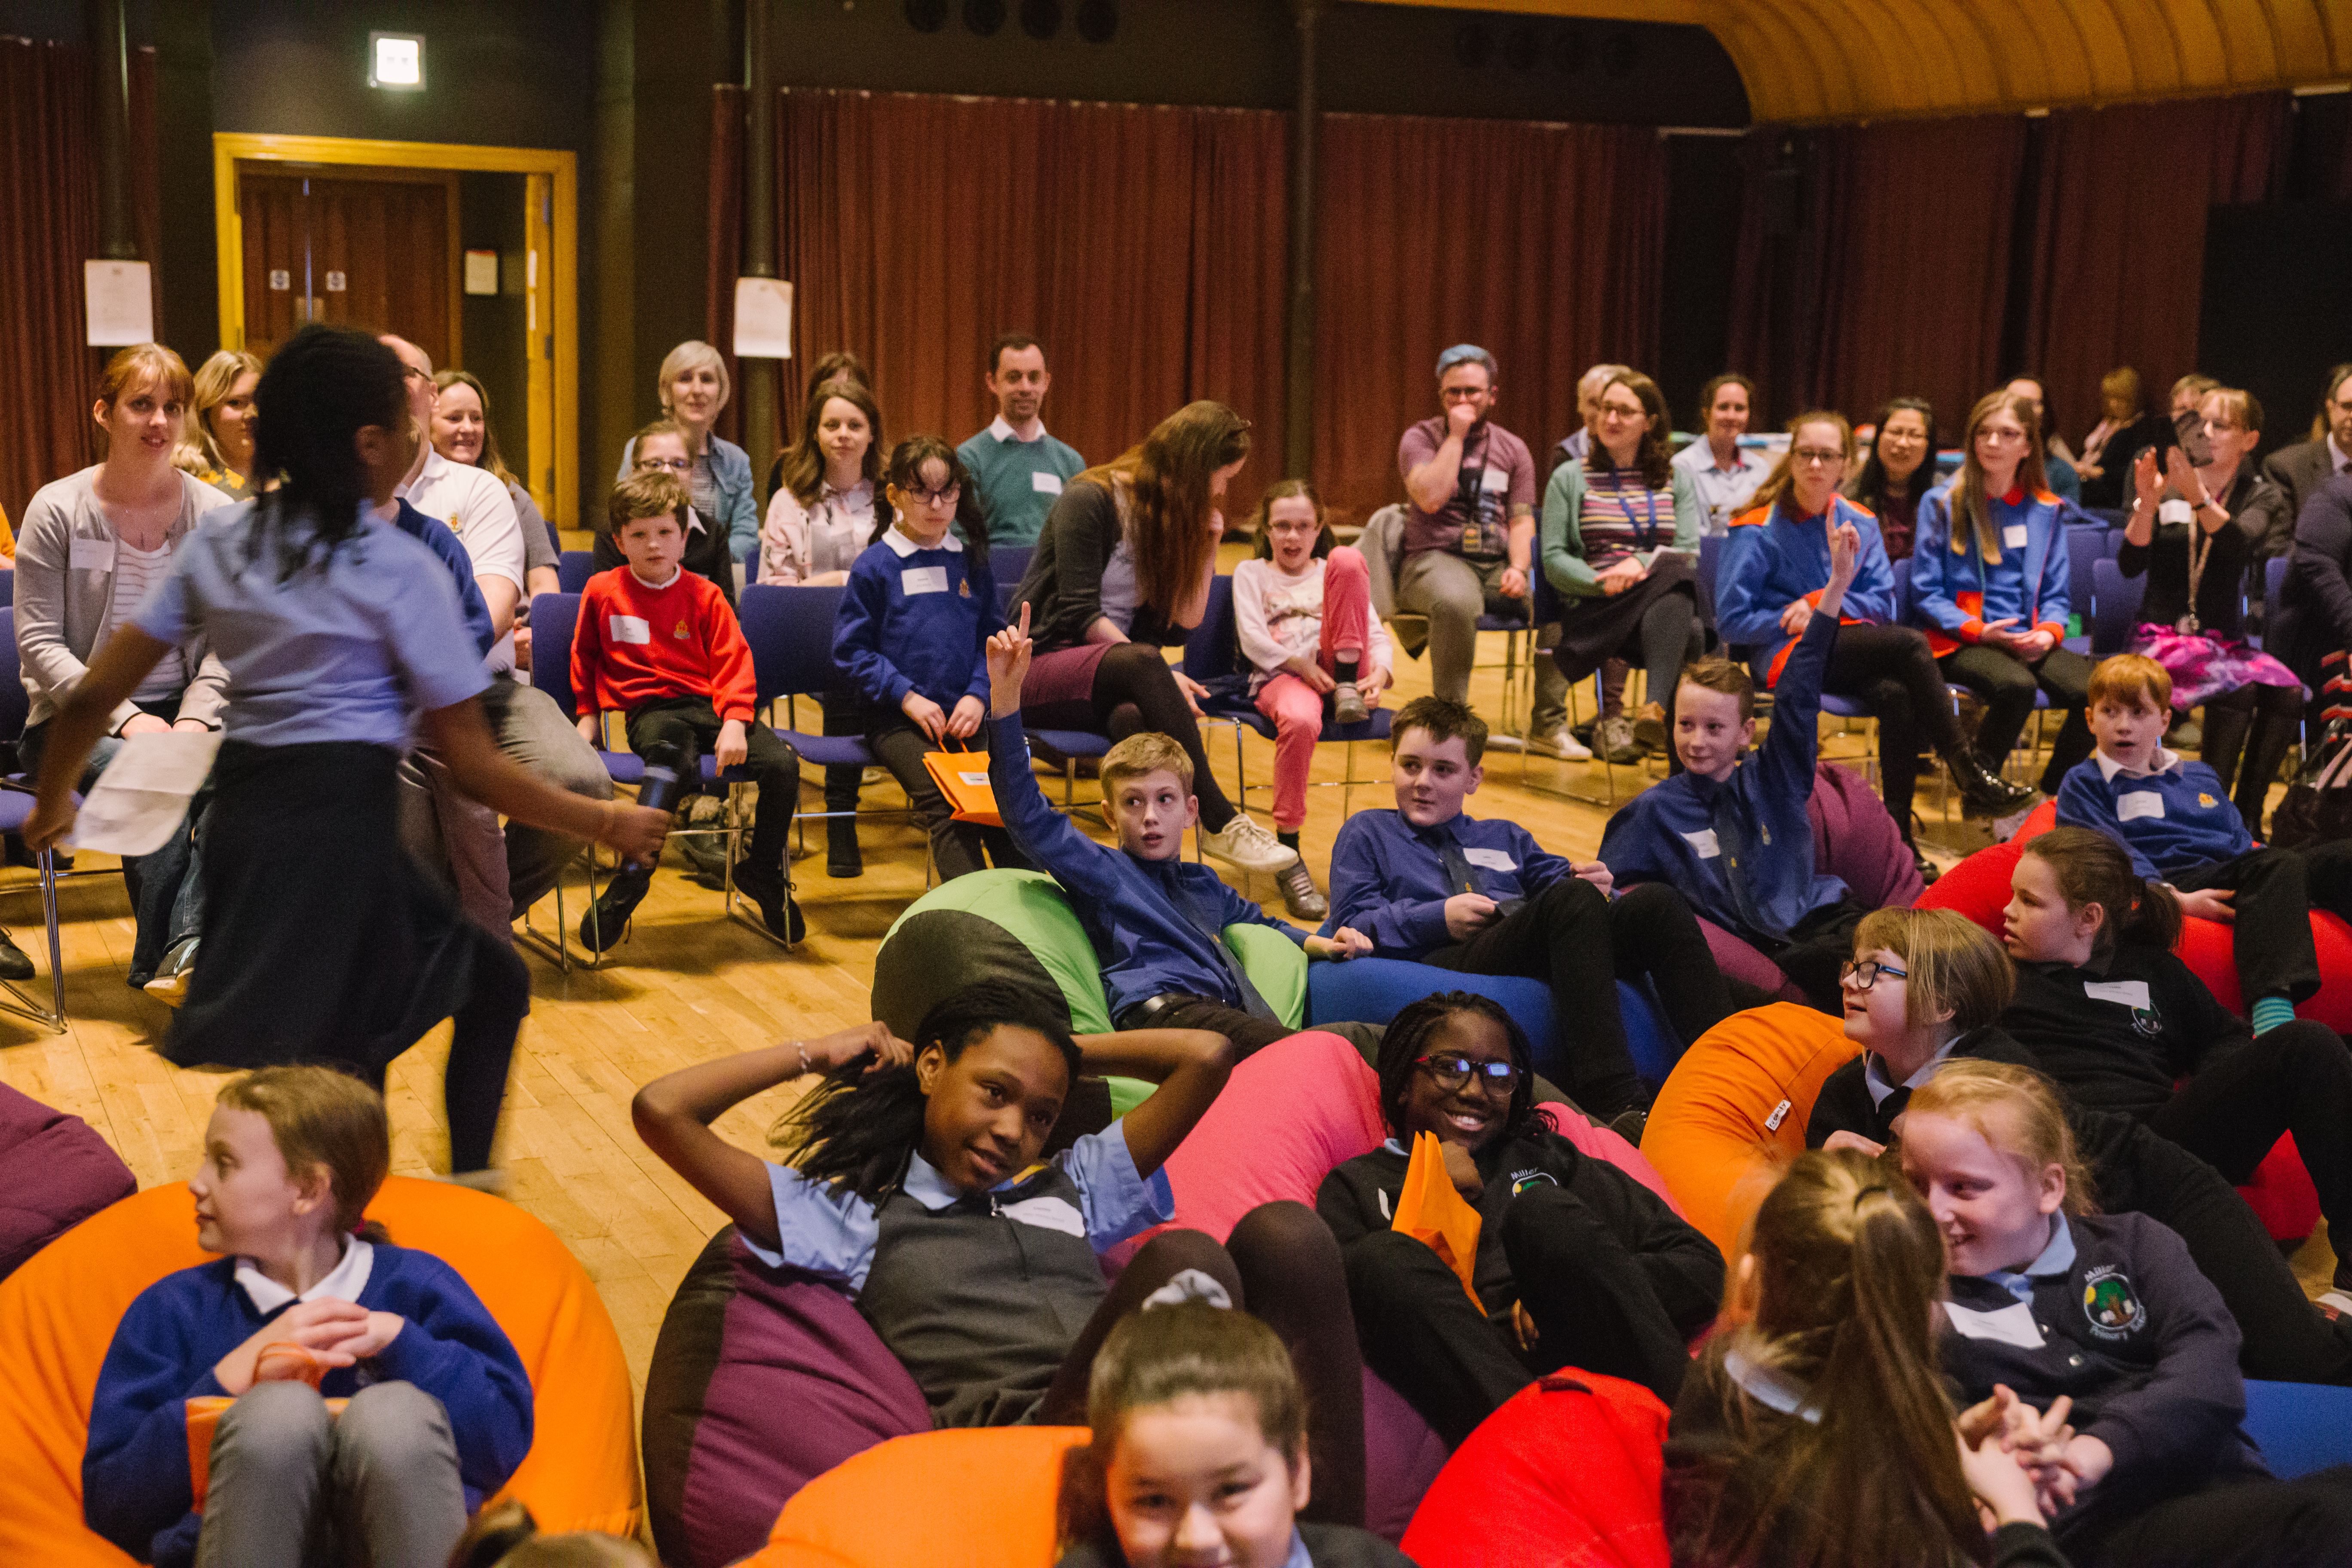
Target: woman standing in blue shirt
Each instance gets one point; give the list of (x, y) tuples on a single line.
[(1989, 584), (342, 638)]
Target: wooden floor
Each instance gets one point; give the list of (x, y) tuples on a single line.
[(688, 985)]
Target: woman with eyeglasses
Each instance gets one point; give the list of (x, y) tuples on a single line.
[(1898, 473), (1578, 1263), (694, 389), (1620, 538), (1988, 585), (2193, 532), (661, 447), (1775, 565)]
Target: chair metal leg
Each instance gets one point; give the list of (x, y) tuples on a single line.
[(22, 1004)]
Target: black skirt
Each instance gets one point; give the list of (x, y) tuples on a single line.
[(322, 940), (1596, 630)]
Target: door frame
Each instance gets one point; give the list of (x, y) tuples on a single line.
[(561, 171)]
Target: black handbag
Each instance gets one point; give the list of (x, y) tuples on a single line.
[(2318, 804)]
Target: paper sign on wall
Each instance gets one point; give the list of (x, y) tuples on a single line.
[(481, 272), (121, 303), (763, 317)]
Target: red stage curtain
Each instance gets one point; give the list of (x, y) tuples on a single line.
[(49, 209), (2119, 235), (1898, 283), (1145, 247), (1544, 244)]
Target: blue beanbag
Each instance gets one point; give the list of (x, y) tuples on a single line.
[(1375, 990)]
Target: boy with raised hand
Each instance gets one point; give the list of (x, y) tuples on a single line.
[(1429, 883), (2175, 819), (1731, 830), (661, 646), (1154, 919)]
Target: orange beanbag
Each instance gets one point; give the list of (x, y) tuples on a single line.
[(1732, 1114), (59, 1313), (972, 1497)]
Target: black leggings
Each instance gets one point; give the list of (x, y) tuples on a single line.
[(2222, 1523), (474, 1084), (1282, 1265), (1595, 1307), (2274, 717), (2007, 685), (2275, 891), (1891, 671), (1135, 692)]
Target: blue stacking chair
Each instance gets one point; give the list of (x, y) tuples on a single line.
[(1008, 563), (555, 539), (790, 628), (2299, 1426), (573, 569), (555, 621), (2274, 579), (2115, 600), (16, 801), (1212, 657)]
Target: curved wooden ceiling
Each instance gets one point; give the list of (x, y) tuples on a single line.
[(1855, 59)]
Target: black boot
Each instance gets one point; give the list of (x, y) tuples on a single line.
[(601, 927), (1984, 793), (842, 858), (2273, 736)]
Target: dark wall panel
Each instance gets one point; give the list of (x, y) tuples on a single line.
[(2274, 320)]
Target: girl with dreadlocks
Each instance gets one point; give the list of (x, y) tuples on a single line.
[(343, 638), (1578, 1264), (917, 1186)]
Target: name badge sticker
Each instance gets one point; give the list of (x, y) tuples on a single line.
[(2127, 992), (1046, 484), (1495, 479), (628, 629), (1704, 842), (1492, 859), (2013, 536), (93, 555), (2012, 1325), (917, 580), (2138, 804)]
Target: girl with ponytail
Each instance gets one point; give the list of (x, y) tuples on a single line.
[(2112, 1013), (1814, 1430)]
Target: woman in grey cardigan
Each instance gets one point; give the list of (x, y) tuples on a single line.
[(92, 544)]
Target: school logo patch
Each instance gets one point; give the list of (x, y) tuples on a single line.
[(2147, 1023), (2205, 800), (2110, 1303), (682, 633), (1523, 1179), (963, 589)]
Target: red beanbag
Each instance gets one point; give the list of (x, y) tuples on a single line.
[(1566, 1471)]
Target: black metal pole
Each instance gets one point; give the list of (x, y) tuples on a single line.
[(110, 59), (759, 259), (1299, 408)]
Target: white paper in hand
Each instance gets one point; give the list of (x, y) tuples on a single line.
[(144, 791)]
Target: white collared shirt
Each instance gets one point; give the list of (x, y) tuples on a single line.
[(2337, 460), (1002, 428), (343, 1282), (2165, 761), (1873, 1071), (902, 546), (481, 514)]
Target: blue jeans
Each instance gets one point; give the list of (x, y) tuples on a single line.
[(166, 888)]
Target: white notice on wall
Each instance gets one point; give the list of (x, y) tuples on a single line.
[(481, 272), (121, 303), (763, 317)]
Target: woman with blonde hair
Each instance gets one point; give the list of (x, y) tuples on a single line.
[(219, 448), (694, 389), (1988, 585), (1122, 570)]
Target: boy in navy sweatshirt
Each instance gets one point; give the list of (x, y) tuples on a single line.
[(1731, 831), (1155, 920), (1429, 883), (2175, 819)]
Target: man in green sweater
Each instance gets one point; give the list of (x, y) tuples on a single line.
[(1019, 468)]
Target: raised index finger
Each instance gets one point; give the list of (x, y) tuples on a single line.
[(1025, 618)]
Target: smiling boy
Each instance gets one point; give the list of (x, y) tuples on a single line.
[(1731, 831), (1155, 920), (1429, 883)]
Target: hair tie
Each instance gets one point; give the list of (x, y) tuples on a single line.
[(1880, 1187)]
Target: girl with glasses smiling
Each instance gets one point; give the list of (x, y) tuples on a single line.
[(1578, 1263)]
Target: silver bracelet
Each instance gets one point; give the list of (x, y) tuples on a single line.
[(802, 1046)]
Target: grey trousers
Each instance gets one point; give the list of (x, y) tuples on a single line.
[(293, 1487), (1454, 592)]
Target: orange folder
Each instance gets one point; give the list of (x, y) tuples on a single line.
[(1432, 1212), (962, 777)]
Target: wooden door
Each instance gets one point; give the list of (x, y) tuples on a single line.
[(370, 248), (539, 338)]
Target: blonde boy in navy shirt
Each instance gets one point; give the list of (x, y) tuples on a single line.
[(2175, 819)]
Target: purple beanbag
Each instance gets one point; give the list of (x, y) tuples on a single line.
[(55, 1172)]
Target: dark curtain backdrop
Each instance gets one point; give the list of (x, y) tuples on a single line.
[(1544, 244), (1145, 247), (2118, 266), (1894, 279), (50, 208)]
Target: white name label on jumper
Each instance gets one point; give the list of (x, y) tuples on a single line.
[(1046, 484), (1492, 859), (93, 555), (2129, 993), (2005, 1326), (2139, 803), (923, 580), (1495, 479), (2013, 536), (629, 628), (1704, 842)]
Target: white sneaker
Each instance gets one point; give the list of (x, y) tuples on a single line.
[(1245, 845), (1561, 744)]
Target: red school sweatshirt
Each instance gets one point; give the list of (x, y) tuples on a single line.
[(635, 645)]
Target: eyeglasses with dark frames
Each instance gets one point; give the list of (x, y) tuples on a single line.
[(1863, 975), (1452, 1073)]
